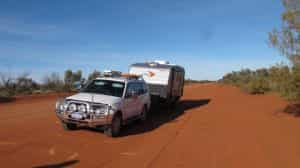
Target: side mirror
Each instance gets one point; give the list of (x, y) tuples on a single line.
[(78, 85)]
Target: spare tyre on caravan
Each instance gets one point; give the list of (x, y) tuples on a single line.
[(165, 80)]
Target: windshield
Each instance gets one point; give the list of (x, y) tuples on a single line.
[(105, 87)]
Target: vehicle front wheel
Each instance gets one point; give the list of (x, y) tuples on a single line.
[(68, 126), (113, 130)]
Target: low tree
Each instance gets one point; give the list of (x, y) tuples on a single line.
[(94, 75), (70, 78), (7, 85), (53, 82), (296, 80), (77, 76), (287, 38), (25, 84)]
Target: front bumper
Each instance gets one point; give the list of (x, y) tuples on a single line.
[(106, 120)]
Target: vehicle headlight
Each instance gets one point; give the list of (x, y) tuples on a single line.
[(72, 107), (60, 105), (100, 110), (82, 108)]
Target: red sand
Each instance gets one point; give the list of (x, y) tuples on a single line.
[(213, 126)]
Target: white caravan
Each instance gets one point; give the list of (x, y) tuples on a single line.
[(165, 80)]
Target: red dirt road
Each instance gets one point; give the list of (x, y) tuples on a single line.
[(213, 126)]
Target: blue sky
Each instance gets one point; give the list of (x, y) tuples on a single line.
[(208, 37)]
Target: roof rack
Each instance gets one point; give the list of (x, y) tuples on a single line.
[(111, 73), (132, 76), (118, 74)]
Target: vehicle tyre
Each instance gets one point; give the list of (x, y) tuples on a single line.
[(68, 126), (113, 130), (144, 114), (172, 103), (176, 100)]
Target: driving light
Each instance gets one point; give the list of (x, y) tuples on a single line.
[(82, 108), (72, 107)]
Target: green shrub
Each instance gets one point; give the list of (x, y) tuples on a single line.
[(53, 82), (7, 85), (94, 75), (25, 85), (279, 78), (71, 78), (296, 80), (5, 93), (257, 86), (191, 81)]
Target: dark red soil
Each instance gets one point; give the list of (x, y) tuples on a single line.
[(213, 126)]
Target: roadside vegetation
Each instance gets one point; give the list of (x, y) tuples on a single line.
[(284, 79), (279, 78), (25, 85), (191, 81)]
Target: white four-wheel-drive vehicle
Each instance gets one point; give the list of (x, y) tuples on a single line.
[(107, 101)]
